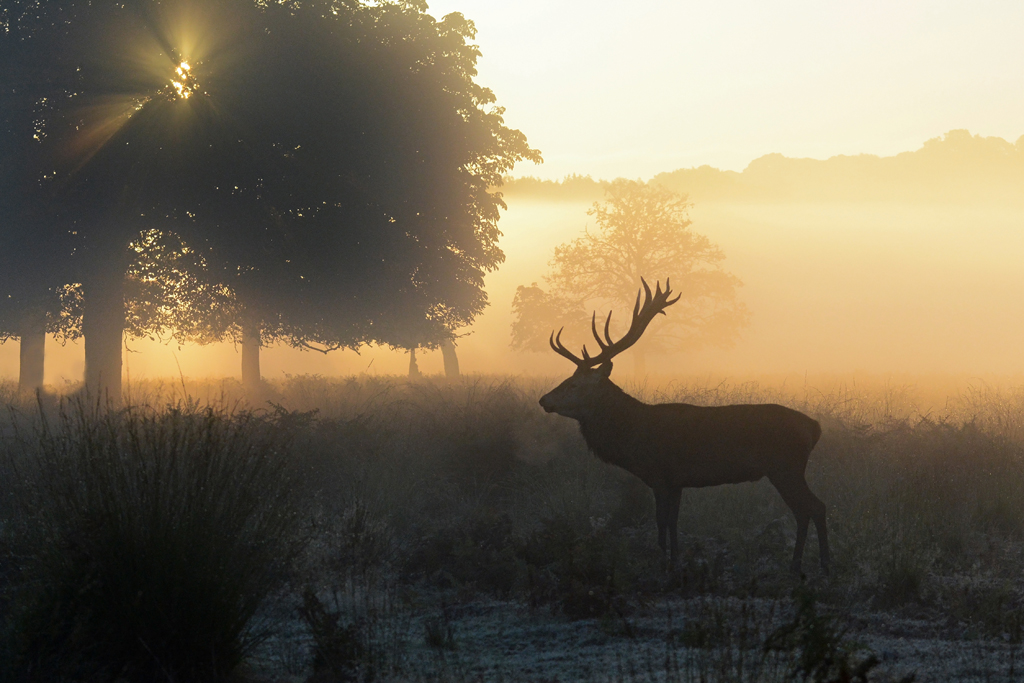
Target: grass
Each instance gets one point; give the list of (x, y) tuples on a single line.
[(377, 518), (142, 544)]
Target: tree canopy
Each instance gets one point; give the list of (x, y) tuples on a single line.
[(330, 163)]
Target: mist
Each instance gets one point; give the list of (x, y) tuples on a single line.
[(898, 266)]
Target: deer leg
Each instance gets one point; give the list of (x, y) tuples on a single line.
[(794, 491), (815, 509), (673, 523), (818, 514), (661, 503)]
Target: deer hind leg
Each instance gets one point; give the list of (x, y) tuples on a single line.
[(805, 506), (818, 514)]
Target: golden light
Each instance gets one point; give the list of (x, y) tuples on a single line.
[(182, 82)]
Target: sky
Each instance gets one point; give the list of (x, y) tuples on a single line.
[(633, 89)]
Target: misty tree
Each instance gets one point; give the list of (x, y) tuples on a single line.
[(428, 162), (30, 302), (641, 230), (376, 178), (30, 276), (339, 204), (168, 296), (67, 225), (537, 313)]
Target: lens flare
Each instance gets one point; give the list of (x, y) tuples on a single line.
[(182, 82)]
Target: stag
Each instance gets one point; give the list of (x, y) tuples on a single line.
[(672, 446)]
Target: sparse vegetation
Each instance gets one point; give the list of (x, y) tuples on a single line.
[(374, 528)]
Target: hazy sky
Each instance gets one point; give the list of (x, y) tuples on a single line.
[(636, 88)]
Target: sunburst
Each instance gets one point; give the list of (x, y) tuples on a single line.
[(183, 83)]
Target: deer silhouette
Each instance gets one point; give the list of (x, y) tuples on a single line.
[(672, 446)]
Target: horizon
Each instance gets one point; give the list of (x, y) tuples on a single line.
[(609, 93), (1017, 141)]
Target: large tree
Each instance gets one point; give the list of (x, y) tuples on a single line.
[(641, 230), (330, 161)]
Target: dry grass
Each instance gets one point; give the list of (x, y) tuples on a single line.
[(431, 500)]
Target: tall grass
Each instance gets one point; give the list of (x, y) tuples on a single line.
[(143, 542), (424, 496)]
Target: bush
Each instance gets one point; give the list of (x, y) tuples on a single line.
[(146, 543), (818, 645)]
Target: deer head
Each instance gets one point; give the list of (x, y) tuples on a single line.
[(577, 396)]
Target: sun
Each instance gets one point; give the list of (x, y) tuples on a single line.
[(182, 82)]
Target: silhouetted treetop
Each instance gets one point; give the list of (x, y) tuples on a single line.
[(330, 161)]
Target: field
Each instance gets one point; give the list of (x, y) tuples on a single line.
[(380, 529)]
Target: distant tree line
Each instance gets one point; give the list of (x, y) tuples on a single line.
[(313, 173), (955, 168)]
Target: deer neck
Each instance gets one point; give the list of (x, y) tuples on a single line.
[(608, 428)]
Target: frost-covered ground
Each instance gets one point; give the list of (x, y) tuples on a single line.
[(490, 640)]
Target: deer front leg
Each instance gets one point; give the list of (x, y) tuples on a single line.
[(661, 504), (673, 523)]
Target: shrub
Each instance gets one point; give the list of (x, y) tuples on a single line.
[(147, 542), (818, 646)]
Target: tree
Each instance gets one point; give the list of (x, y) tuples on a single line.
[(537, 313), (30, 237), (167, 295), (641, 230), (332, 162)]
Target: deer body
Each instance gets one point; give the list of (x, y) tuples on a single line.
[(672, 446), (690, 446)]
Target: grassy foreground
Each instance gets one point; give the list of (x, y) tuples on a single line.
[(375, 529)]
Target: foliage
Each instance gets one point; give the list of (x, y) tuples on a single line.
[(168, 295), (537, 313), (642, 230)]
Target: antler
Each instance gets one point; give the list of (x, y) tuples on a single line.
[(653, 304)]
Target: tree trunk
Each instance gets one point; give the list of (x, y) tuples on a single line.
[(251, 342), (103, 329), (414, 369), (33, 343), (451, 359), (639, 363)]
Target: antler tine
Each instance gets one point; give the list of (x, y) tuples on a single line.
[(644, 311), (593, 328), (666, 302), (653, 303), (556, 345)]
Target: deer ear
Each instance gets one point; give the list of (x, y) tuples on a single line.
[(605, 369)]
